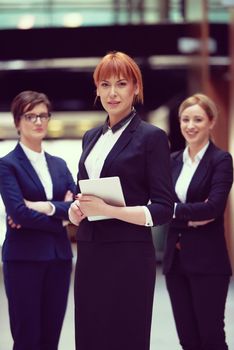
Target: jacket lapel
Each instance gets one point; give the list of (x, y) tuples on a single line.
[(200, 172), (27, 166), (121, 143), (177, 164), (54, 173), (82, 170)]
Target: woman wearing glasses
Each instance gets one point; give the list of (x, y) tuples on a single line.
[(36, 189)]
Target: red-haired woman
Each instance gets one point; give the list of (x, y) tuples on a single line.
[(115, 273)]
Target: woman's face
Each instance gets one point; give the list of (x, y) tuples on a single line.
[(116, 95), (34, 130), (196, 126)]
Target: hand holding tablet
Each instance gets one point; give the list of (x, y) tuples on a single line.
[(107, 188)]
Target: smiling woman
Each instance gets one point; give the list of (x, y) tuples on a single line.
[(196, 261)]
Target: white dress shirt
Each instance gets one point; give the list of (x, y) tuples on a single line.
[(187, 172), (39, 163), (96, 158)]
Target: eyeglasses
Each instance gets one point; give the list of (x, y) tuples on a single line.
[(32, 117)]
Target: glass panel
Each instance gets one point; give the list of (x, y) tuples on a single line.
[(74, 13)]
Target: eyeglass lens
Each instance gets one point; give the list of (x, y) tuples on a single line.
[(32, 117)]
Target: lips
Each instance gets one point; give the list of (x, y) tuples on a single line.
[(113, 103), (191, 133)]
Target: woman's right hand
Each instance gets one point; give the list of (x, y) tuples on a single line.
[(75, 214)]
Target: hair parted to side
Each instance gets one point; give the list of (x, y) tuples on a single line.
[(119, 64), (25, 101), (206, 103)]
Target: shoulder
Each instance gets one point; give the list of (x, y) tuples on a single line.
[(217, 153), (89, 134), (151, 131), (9, 157), (150, 128), (177, 154)]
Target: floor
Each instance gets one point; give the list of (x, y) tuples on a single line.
[(163, 334)]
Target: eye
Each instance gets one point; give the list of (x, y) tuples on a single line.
[(44, 116), (30, 116), (184, 119), (198, 119), (122, 83), (104, 84)]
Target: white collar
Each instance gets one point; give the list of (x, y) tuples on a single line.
[(198, 157), (32, 155)]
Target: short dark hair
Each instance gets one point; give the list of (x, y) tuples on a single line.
[(25, 101)]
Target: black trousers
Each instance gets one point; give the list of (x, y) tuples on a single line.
[(198, 304), (37, 298), (114, 290)]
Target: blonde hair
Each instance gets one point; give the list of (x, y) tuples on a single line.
[(204, 102), (119, 64)]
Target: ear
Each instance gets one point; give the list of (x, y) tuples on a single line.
[(136, 89), (212, 124), (97, 92)]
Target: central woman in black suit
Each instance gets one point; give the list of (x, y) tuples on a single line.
[(115, 273)]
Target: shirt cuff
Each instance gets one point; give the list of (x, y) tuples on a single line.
[(52, 209), (148, 217), (175, 204)]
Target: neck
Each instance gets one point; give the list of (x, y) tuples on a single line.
[(114, 119), (194, 149), (34, 146)]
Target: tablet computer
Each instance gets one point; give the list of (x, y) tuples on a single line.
[(107, 188)]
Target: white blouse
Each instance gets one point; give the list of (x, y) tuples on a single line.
[(96, 158), (187, 172)]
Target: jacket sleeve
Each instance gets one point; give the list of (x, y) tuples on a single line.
[(61, 207), (15, 207), (214, 205), (159, 178)]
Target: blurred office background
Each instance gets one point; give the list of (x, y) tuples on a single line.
[(182, 46)]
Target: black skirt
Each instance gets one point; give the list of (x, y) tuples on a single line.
[(114, 289)]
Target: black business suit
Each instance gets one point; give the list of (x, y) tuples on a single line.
[(36, 257), (115, 273), (198, 274)]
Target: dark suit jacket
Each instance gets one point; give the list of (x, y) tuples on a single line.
[(203, 249), (141, 159), (41, 237)]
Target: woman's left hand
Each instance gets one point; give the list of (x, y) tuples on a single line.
[(91, 205), (199, 223), (11, 223)]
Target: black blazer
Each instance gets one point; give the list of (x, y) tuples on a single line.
[(203, 249), (141, 159), (41, 237)]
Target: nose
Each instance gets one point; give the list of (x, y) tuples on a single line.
[(38, 120), (112, 90), (190, 124)]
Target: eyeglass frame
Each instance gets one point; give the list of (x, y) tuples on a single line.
[(32, 117)]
